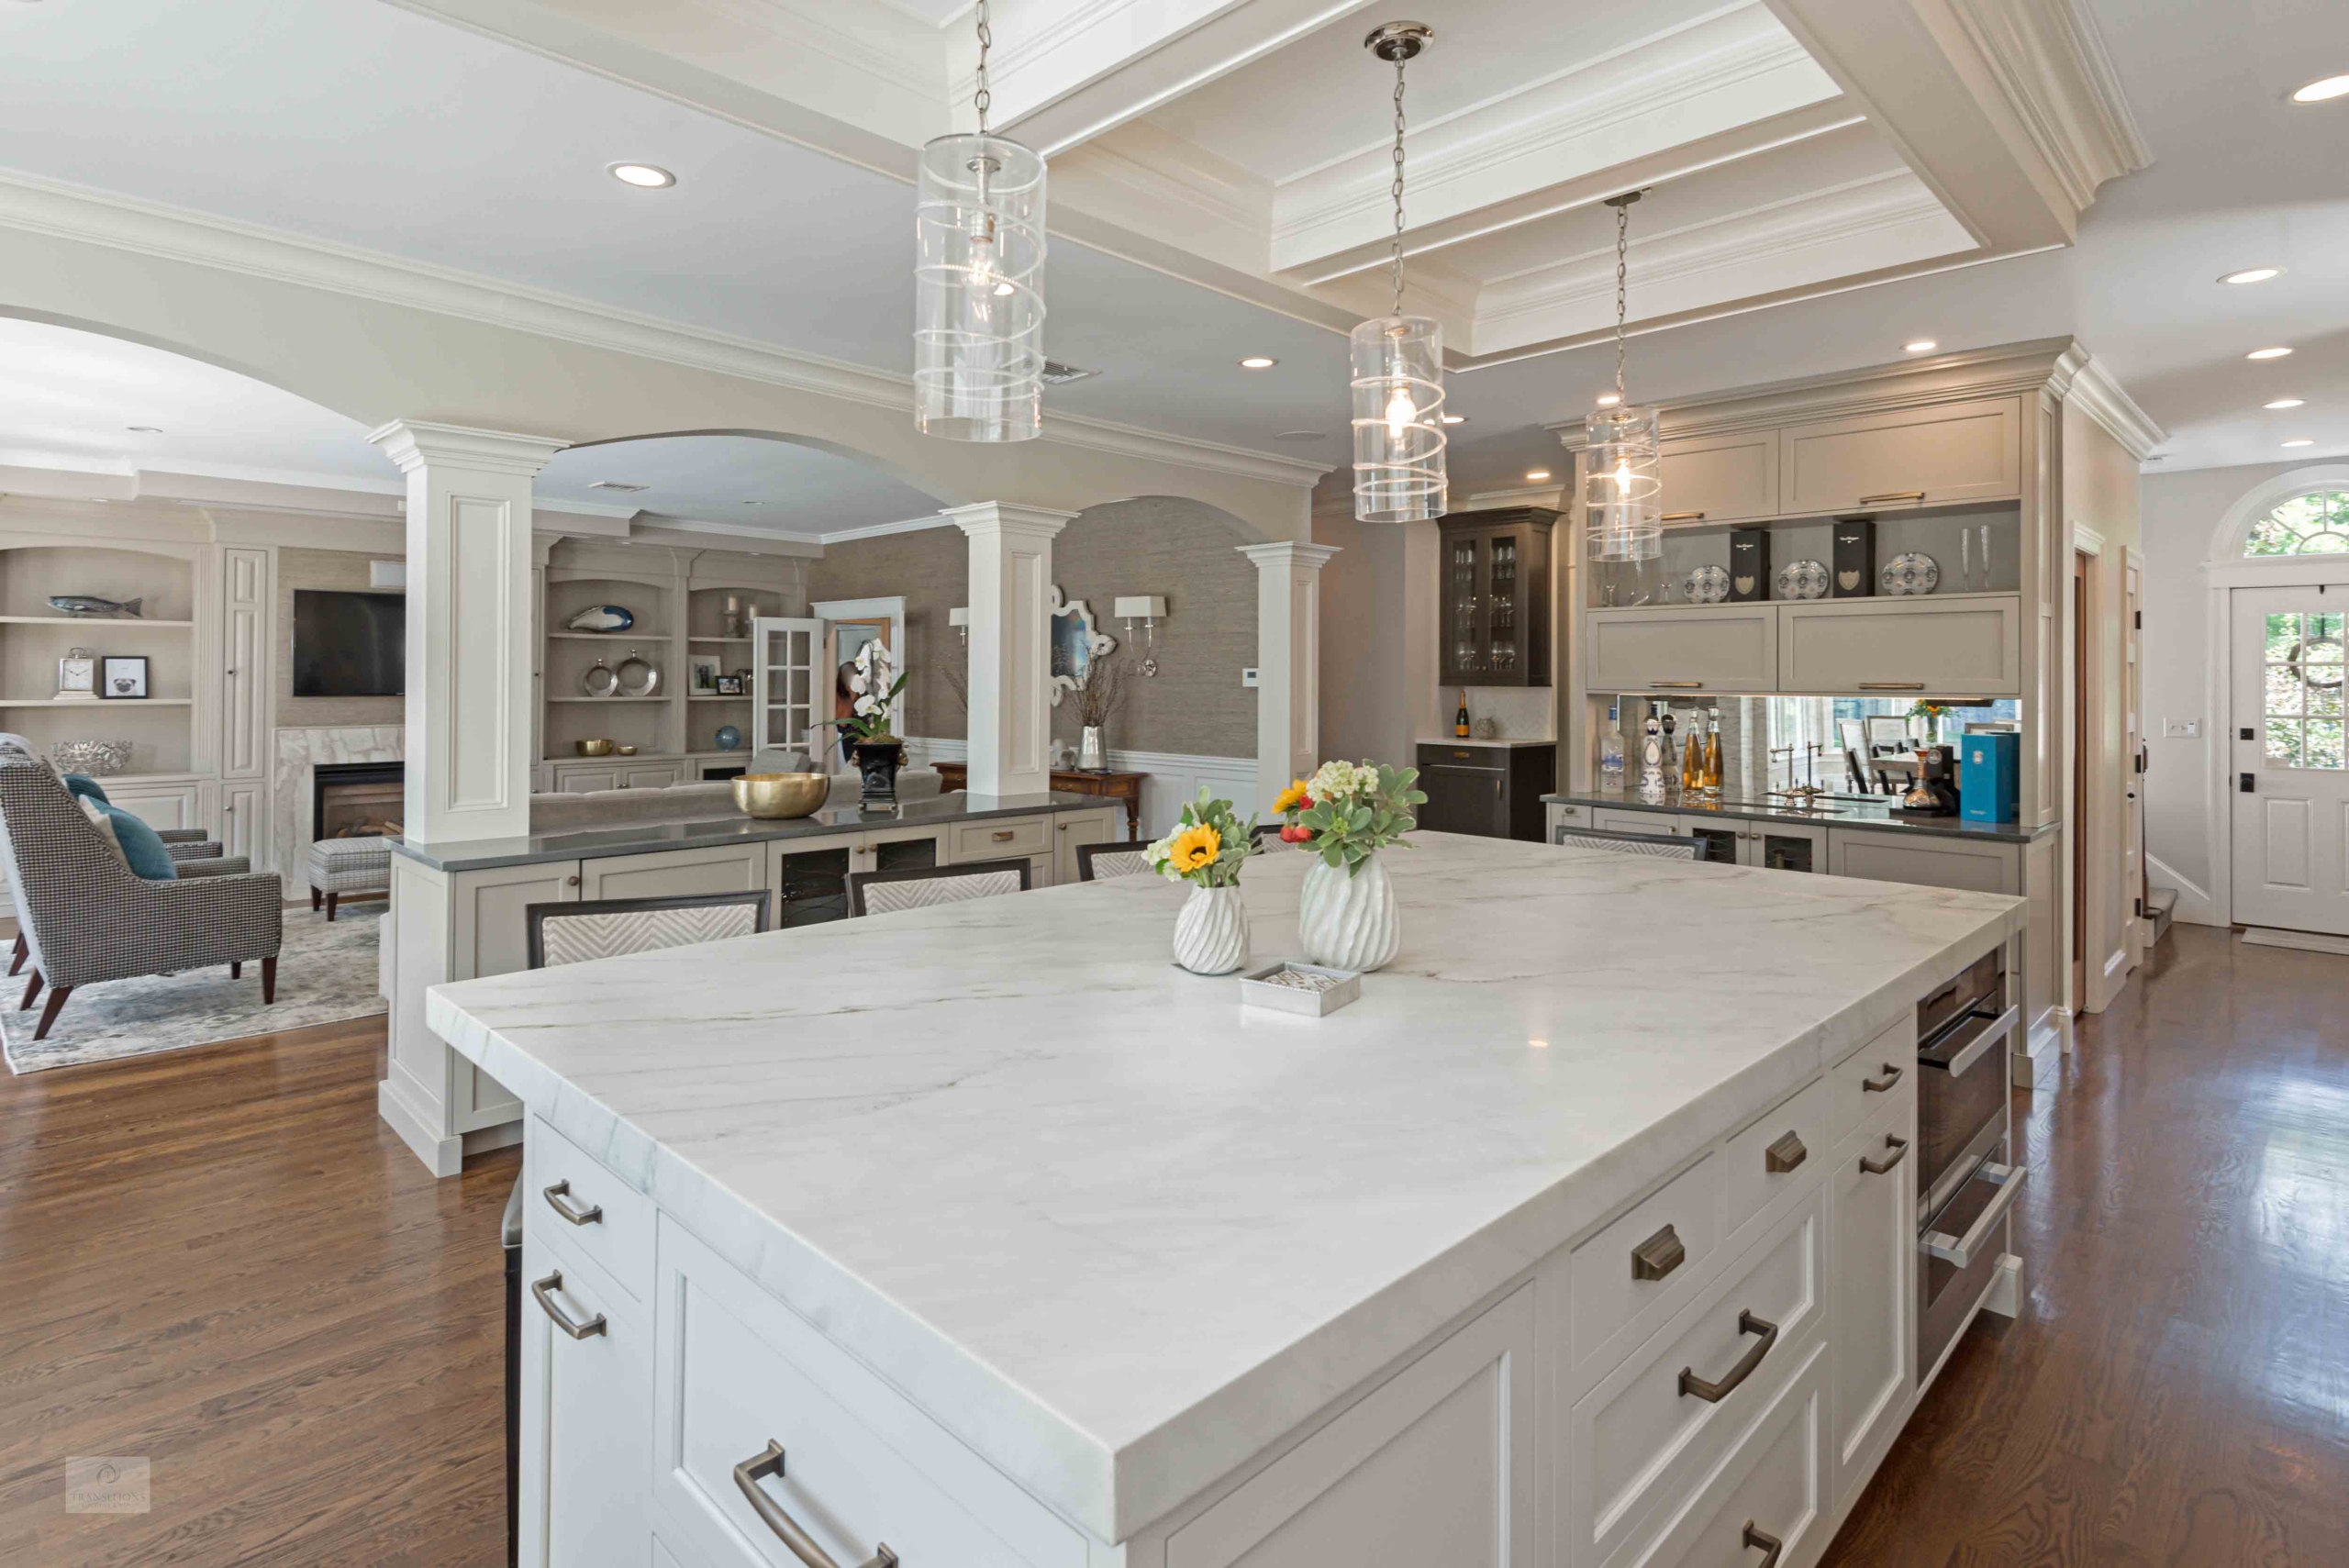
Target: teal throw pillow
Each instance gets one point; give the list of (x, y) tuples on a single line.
[(84, 787), (142, 846)]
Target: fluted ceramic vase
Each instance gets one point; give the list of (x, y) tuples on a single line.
[(1349, 921), (1211, 931)]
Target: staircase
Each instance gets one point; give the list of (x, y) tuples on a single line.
[(2162, 904)]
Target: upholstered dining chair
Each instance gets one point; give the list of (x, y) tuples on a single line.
[(609, 928), (1095, 861), (1661, 846), (918, 888), (86, 917)]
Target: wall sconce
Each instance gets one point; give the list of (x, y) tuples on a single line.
[(1148, 606), (959, 617)]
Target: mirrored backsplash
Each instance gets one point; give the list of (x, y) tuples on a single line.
[(1776, 743)]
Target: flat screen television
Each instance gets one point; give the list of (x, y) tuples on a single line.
[(350, 645)]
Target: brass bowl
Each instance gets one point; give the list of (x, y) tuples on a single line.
[(594, 748), (628, 750), (776, 796)]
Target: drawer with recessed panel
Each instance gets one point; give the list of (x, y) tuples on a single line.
[(572, 1195), (998, 838)]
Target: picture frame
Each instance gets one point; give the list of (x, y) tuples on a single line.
[(702, 672), (726, 686), (123, 676)]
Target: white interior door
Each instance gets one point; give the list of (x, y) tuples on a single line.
[(2290, 781), (791, 693)]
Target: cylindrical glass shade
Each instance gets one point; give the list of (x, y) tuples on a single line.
[(1623, 484), (1399, 420), (979, 290)]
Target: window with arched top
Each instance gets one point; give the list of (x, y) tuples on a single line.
[(2316, 523)]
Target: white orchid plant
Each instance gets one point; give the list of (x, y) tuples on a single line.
[(875, 682)]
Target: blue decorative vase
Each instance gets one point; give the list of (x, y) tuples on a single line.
[(602, 617), (728, 738)]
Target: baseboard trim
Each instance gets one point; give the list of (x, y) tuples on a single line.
[(2305, 941), (442, 1156)]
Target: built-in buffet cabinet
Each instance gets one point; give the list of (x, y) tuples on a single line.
[(1967, 645)]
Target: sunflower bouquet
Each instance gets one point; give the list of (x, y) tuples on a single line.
[(1208, 847)]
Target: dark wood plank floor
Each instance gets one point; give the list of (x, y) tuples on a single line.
[(221, 1260)]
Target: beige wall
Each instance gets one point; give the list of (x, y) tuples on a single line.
[(1184, 551), (338, 569), (2100, 494)]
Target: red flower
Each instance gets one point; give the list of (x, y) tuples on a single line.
[(1296, 833)]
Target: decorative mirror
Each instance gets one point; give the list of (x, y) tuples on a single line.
[(1075, 644)]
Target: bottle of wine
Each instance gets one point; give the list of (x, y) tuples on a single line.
[(1611, 747), (1713, 756), (1692, 758), (1460, 719)]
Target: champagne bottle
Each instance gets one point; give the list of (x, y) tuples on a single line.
[(1460, 719), (1713, 756), (1692, 758)]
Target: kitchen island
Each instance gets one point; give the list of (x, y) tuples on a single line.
[(1585, 1236)]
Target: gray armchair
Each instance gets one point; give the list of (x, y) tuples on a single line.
[(87, 918)]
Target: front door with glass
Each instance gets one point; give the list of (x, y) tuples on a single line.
[(2289, 784)]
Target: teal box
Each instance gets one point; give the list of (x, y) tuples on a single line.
[(1989, 770)]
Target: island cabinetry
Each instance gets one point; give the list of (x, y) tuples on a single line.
[(585, 1350), (670, 874), (1872, 1253), (1720, 479), (1496, 596), (1959, 646), (1693, 648), (1912, 457), (1770, 1500)]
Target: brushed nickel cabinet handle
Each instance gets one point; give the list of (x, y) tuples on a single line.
[(1005, 836), (1786, 1154), (1899, 1146), (1892, 686), (1756, 1540), (1958, 1251), (1714, 1393), (1658, 1255), (1678, 685), (768, 1462), (1682, 518), (1893, 495), (593, 1213), (544, 1290), (1883, 1085)]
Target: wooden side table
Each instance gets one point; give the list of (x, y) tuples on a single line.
[(1072, 781)]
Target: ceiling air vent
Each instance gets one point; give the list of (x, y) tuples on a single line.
[(1059, 374), (622, 485)]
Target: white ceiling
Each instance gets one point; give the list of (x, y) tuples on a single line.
[(734, 482)]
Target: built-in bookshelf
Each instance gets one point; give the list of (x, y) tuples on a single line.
[(35, 637)]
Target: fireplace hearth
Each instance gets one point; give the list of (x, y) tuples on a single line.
[(355, 800)]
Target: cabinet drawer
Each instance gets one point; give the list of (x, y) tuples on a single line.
[(1634, 822), (1605, 1287), (1879, 1075), (1796, 1136), (1773, 1483), (604, 1220), (587, 1417), (1720, 479), (673, 872), (1924, 861), (1917, 457), (1647, 1435), (862, 1467), (999, 839), (1703, 647), (1965, 647)]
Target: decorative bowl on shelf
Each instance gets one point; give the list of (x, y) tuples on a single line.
[(626, 751), (93, 759), (773, 796), (593, 747)]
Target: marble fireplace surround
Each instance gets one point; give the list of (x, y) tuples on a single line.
[(299, 751)]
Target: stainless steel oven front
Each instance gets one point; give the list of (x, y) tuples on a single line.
[(1965, 1185)]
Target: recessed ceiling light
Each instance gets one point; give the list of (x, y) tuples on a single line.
[(624, 486), (2253, 275), (1536, 475), (1608, 399), (1456, 418), (2303, 441), (2267, 353), (644, 176), (2284, 402), (1919, 346), (144, 429), (2320, 90), (1258, 362)]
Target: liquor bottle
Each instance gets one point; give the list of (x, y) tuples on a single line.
[(1713, 757), (1652, 753), (1692, 758), (1671, 753), (1460, 719), (1611, 747)]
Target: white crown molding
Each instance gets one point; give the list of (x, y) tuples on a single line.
[(2050, 64), (124, 223), (1551, 496), (2101, 399), (882, 530)]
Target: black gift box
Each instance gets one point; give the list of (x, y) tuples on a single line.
[(1855, 558), (1749, 565)]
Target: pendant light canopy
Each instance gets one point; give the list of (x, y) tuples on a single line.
[(1622, 463), (1397, 363), (979, 282)]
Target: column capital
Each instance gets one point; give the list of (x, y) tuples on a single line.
[(413, 443), (1288, 552), (1007, 516)]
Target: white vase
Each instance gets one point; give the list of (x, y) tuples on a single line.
[(1211, 932), (1349, 922)]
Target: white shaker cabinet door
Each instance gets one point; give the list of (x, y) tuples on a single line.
[(1872, 1203), (1720, 479), (1693, 648), (1912, 457), (586, 1418)]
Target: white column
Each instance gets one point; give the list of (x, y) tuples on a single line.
[(468, 689), (1288, 662), (1011, 587)]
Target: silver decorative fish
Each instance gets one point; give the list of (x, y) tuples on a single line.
[(602, 617), (91, 605)]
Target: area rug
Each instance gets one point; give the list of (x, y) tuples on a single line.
[(326, 972)]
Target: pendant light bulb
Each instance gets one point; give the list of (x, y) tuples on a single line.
[(1623, 495), (1399, 413), (1397, 361)]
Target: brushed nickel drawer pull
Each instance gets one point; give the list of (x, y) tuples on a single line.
[(1892, 686), (1004, 835), (1678, 685), (1899, 1146), (1785, 1155), (768, 1462), (1658, 1255), (1893, 495), (1883, 1085), (1714, 1393), (592, 1214), (1683, 517), (544, 1290), (1758, 1540), (1958, 1251)]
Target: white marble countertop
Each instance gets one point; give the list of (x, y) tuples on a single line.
[(1118, 1233)]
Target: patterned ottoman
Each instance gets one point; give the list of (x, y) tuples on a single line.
[(346, 868)]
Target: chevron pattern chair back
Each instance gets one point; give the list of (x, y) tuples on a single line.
[(611, 927), (1663, 846), (1095, 861), (918, 888)]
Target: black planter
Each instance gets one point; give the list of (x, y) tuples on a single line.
[(879, 760)]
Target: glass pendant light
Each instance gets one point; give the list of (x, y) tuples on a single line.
[(1399, 362), (1622, 464), (979, 282)]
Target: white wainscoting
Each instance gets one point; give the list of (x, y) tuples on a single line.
[(1173, 777)]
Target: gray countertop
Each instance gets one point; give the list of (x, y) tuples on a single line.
[(1505, 741), (1846, 812), (647, 838)]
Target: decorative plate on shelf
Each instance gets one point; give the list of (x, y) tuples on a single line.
[(1909, 573), (1802, 580), (1708, 585)]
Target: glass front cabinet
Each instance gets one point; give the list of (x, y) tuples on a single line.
[(1496, 572)]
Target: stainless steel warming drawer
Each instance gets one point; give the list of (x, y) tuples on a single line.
[(1965, 1183)]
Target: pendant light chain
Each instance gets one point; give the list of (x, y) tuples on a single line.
[(1395, 246), (1622, 250), (983, 99)]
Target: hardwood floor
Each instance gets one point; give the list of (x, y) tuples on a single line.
[(219, 1259), (222, 1261)]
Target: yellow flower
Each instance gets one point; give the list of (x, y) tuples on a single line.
[(1292, 797), (1194, 848)]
